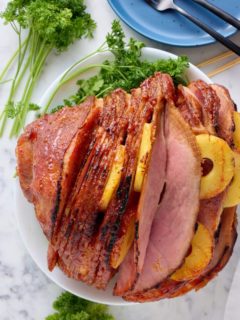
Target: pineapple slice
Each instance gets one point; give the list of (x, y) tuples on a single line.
[(145, 148), (123, 245), (221, 155), (233, 193), (236, 133), (114, 178), (199, 258)]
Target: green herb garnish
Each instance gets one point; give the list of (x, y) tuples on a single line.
[(127, 70), (51, 24), (70, 307)]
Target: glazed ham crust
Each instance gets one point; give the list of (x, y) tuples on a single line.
[(40, 153)]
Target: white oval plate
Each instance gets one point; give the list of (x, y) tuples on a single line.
[(29, 228)]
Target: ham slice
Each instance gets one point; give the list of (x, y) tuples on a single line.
[(148, 203), (40, 153), (210, 212), (179, 207), (155, 177), (151, 192), (222, 253), (190, 109), (224, 243), (78, 254), (207, 108), (209, 102), (225, 124)]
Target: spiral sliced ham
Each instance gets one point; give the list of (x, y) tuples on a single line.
[(65, 160)]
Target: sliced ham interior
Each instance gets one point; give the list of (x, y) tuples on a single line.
[(147, 206), (210, 212)]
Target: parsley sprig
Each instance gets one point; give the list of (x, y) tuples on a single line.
[(70, 307), (127, 70), (50, 24)]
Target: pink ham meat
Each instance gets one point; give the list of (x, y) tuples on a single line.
[(149, 200), (151, 192), (174, 222), (210, 212)]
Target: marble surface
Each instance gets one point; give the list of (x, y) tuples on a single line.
[(25, 292)]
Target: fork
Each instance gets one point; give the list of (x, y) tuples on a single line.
[(163, 5), (222, 14)]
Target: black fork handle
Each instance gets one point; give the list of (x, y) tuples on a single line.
[(220, 13), (225, 41)]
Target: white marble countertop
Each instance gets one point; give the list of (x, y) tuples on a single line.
[(25, 292)]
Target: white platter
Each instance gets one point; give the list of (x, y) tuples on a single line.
[(29, 228)]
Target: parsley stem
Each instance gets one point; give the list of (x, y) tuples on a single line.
[(103, 91), (10, 61), (6, 81), (16, 80), (30, 85), (63, 79)]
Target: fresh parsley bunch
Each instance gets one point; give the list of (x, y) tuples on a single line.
[(127, 70), (70, 307), (51, 24)]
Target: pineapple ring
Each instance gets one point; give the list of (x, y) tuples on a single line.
[(236, 133), (233, 193), (114, 178), (199, 258), (221, 155), (145, 149)]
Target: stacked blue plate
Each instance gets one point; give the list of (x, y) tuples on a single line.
[(170, 27)]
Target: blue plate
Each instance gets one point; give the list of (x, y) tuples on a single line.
[(170, 27)]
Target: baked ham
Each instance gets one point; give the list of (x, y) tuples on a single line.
[(107, 211)]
